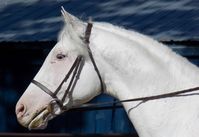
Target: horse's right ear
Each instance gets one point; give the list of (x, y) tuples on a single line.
[(70, 20), (73, 24)]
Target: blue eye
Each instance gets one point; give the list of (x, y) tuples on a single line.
[(60, 56)]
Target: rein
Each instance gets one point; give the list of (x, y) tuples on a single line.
[(75, 71), (103, 105)]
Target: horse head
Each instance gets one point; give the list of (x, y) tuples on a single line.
[(55, 88)]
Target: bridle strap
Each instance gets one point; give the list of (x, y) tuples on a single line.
[(74, 79), (87, 42), (44, 88), (180, 93), (68, 74), (76, 70)]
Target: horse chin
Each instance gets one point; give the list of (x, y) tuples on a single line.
[(40, 121)]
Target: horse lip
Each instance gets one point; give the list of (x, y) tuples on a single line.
[(40, 120)]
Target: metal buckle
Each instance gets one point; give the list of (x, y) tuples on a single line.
[(55, 107)]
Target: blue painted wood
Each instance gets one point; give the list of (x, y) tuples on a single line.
[(103, 117), (89, 125), (121, 123)]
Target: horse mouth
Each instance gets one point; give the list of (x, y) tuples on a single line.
[(40, 120)]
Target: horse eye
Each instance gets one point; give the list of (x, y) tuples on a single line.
[(60, 56)]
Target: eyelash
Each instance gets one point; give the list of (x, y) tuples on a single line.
[(60, 56)]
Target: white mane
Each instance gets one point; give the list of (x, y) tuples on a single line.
[(134, 40), (141, 66), (159, 50), (142, 40), (135, 65)]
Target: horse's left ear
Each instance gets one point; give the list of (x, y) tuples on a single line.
[(71, 21)]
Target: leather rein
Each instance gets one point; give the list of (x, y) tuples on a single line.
[(75, 72)]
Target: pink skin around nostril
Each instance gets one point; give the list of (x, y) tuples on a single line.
[(20, 110)]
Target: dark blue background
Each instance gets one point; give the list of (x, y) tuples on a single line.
[(40, 20)]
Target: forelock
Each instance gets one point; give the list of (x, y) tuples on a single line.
[(65, 34)]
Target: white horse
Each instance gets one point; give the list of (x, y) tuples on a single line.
[(131, 65)]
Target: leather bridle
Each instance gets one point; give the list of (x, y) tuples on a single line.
[(75, 71)]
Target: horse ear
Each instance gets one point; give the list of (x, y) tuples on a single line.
[(74, 26), (70, 20)]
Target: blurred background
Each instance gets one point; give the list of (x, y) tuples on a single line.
[(29, 29)]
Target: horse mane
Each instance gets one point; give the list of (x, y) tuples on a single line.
[(156, 48), (148, 42)]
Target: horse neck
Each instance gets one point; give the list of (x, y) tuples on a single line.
[(131, 58), (134, 65)]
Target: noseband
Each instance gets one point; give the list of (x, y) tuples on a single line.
[(74, 72)]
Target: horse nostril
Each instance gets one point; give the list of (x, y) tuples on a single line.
[(20, 110)]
